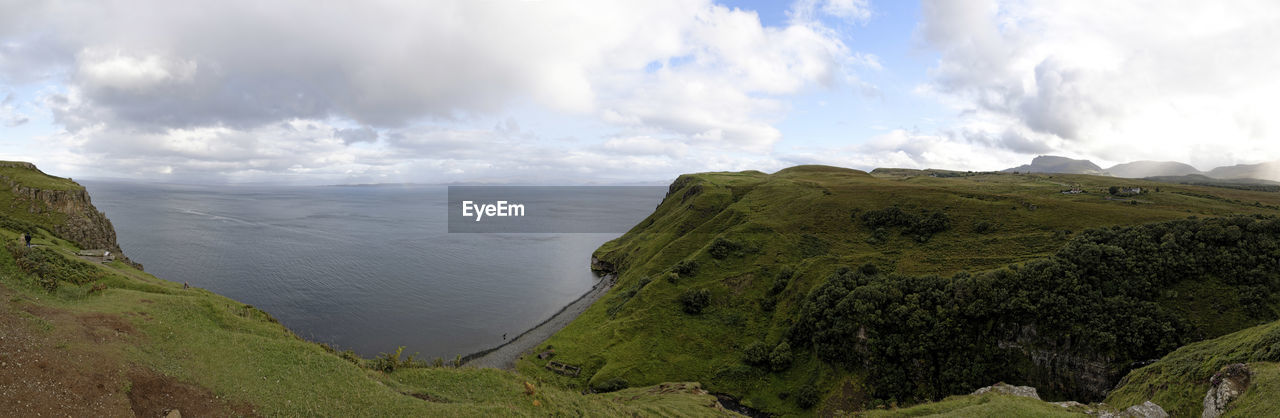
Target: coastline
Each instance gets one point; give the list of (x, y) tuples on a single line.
[(504, 356)]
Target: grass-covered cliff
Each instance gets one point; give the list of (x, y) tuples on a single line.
[(820, 289), (79, 337)]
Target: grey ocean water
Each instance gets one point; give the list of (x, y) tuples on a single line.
[(367, 268)]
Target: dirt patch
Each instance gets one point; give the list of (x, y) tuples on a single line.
[(426, 397), (100, 327), (738, 284), (46, 369), (847, 399), (56, 362), (154, 395)]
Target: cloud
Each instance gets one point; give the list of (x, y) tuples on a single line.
[(1138, 80), (353, 135), (199, 85), (10, 116)]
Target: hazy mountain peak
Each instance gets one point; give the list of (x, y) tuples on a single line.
[(1056, 164), (1141, 169)]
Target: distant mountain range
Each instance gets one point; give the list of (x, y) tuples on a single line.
[(1269, 171)]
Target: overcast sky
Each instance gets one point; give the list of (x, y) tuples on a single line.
[(599, 91)]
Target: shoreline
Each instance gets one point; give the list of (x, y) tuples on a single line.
[(504, 356)]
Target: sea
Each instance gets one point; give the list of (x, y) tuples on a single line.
[(371, 268)]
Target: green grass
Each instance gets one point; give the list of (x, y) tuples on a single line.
[(34, 178), (801, 217), (244, 356), (989, 404), (1179, 380)]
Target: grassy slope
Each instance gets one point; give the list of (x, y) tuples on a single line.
[(36, 179), (801, 217), (1179, 381), (991, 404), (243, 356)]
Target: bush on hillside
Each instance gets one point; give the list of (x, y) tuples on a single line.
[(807, 397), (756, 354), (721, 248), (610, 385), (48, 268), (920, 227), (686, 268), (694, 301), (780, 357)]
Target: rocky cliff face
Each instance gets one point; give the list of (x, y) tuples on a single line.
[(1056, 366), (83, 224)]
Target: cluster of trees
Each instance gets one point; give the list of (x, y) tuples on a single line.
[(919, 226), (925, 337)]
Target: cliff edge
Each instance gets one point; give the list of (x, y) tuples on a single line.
[(58, 205)]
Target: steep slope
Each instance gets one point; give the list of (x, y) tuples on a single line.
[(106, 339), (714, 284), (1055, 164), (1181, 380), (1141, 169)]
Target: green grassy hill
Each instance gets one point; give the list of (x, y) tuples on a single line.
[(728, 267), (85, 338), (1179, 381)]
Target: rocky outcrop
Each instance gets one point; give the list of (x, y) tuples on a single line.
[(1059, 367), (1147, 409), (1225, 386), (78, 220), (601, 267), (1005, 388)]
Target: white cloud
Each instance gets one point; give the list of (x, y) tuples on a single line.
[(198, 88), (1114, 82), (114, 70)]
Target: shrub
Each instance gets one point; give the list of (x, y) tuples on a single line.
[(807, 397), (694, 301), (768, 302), (48, 267), (983, 227), (686, 268), (610, 385), (673, 278), (756, 354), (388, 362), (721, 248), (780, 358)]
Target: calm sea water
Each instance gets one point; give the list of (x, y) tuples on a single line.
[(366, 268)]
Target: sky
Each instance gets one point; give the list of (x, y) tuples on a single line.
[(572, 92)]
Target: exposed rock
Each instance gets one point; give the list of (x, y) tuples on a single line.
[(1225, 386), (602, 267), (173, 414), (1065, 370), (1024, 391), (1148, 409)]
